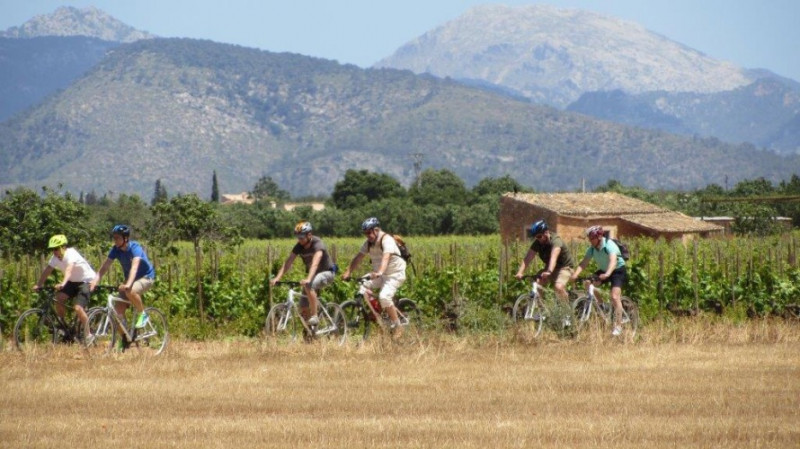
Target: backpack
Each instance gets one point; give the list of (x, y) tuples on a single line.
[(405, 254), (624, 251)]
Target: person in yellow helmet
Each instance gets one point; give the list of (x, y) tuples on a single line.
[(320, 268), (77, 276)]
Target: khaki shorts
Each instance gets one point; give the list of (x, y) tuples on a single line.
[(141, 285)]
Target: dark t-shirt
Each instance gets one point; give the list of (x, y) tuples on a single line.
[(307, 255), (545, 249)]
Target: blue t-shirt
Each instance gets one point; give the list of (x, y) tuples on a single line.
[(145, 270), (601, 256)]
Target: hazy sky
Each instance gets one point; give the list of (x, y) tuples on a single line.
[(749, 33)]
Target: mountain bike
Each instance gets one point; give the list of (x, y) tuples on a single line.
[(538, 308), (41, 327), (110, 330), (364, 312), (285, 320), (590, 310)]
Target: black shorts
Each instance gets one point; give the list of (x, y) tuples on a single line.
[(78, 292), (618, 277)]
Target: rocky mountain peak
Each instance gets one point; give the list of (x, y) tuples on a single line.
[(553, 55), (70, 21)]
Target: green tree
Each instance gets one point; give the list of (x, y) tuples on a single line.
[(359, 187), (439, 188), (267, 189), (214, 188), (159, 193), (187, 217), (499, 186), (27, 221)]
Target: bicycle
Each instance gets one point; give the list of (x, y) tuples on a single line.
[(285, 318), (41, 326), (365, 311), (588, 305), (109, 329), (532, 307)]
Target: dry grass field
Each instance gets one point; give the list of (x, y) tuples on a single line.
[(689, 384)]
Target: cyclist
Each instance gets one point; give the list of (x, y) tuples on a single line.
[(77, 276), (388, 268), (554, 253), (320, 268), (608, 258), (139, 272)]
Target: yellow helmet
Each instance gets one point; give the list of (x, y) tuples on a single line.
[(57, 241), (302, 228)]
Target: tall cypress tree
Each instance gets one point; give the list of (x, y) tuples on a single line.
[(214, 189)]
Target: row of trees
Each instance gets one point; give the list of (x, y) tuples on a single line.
[(438, 203)]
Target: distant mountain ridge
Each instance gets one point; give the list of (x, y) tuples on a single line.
[(71, 21), (34, 68), (764, 113), (554, 55), (176, 109)]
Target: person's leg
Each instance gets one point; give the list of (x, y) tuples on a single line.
[(561, 281), (135, 297), (60, 305), (386, 298)]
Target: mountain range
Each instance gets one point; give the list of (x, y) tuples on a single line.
[(587, 62), (176, 109)]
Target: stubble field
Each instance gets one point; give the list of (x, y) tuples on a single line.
[(688, 384)]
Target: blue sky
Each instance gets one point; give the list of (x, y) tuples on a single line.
[(749, 33)]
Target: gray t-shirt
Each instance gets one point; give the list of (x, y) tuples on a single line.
[(307, 254)]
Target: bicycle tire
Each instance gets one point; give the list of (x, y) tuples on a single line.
[(583, 308), (527, 306), (278, 328), (154, 336), (333, 325), (358, 326), (630, 311), (101, 332), (34, 330), (411, 321)]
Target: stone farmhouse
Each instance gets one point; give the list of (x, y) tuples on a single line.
[(569, 214)]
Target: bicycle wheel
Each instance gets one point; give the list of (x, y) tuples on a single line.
[(34, 331), (280, 325), (529, 311), (410, 321), (100, 332), (583, 311), (358, 326), (154, 336), (630, 316), (332, 323)]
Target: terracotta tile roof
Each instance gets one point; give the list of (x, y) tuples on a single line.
[(671, 222), (588, 204), (632, 210)]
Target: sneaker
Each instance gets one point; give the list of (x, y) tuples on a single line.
[(396, 330), (142, 321), (313, 321), (617, 331), (567, 322)]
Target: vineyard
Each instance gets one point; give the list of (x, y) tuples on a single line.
[(460, 282)]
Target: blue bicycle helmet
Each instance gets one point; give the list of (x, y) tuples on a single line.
[(122, 230), (537, 228), (370, 223)]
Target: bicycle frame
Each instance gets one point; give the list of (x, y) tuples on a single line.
[(292, 307), (130, 333), (585, 306), (370, 302)]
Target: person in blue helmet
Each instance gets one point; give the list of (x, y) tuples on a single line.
[(138, 271)]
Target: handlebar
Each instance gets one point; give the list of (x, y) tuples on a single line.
[(110, 288), (290, 284)]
